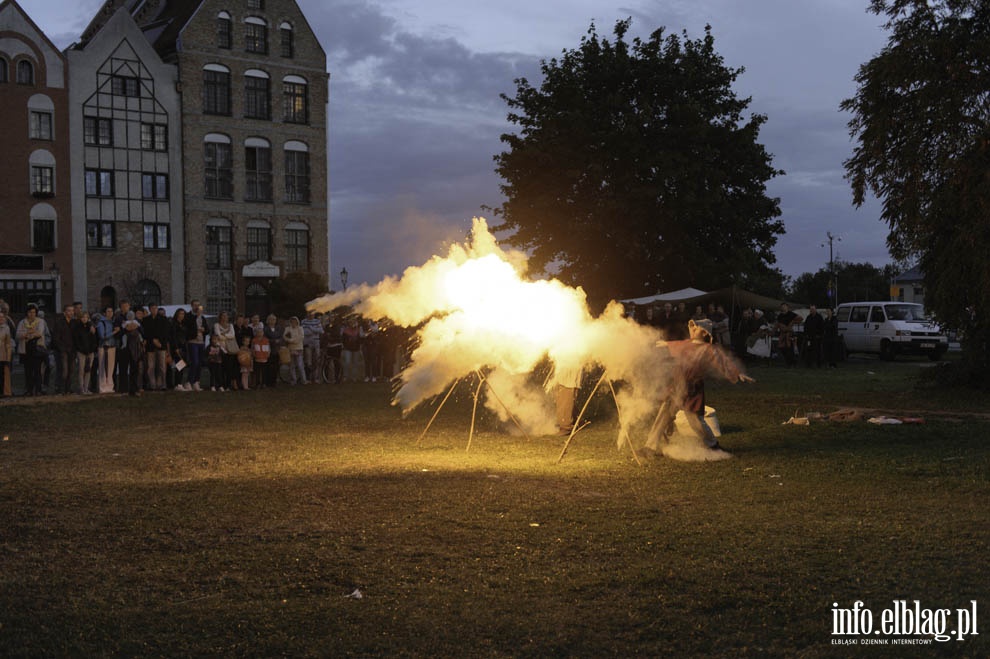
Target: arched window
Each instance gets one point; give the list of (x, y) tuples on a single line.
[(257, 169), (295, 100), (296, 247), (296, 172), (42, 165), (43, 217), (218, 168), (216, 89), (224, 30), (257, 95), (25, 72), (4, 72), (146, 292), (42, 111), (288, 45), (256, 35)]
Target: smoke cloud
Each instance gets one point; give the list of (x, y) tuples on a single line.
[(476, 312)]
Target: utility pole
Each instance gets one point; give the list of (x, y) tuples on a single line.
[(833, 284)]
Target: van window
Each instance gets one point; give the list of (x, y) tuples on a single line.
[(905, 312), (842, 315), (877, 315), (859, 314)]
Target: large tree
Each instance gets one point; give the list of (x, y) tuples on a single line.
[(921, 122), (634, 169)]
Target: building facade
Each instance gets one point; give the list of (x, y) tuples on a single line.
[(253, 92), (36, 256), (128, 225)]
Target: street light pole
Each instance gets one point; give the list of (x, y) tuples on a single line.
[(833, 284)]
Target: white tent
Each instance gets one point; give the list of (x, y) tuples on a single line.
[(672, 296)]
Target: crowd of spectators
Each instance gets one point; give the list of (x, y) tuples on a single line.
[(134, 350), (812, 339)]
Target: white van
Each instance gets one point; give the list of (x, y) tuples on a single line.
[(890, 329)]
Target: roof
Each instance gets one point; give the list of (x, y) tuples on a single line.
[(914, 274)]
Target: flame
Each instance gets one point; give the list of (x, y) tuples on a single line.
[(478, 310)]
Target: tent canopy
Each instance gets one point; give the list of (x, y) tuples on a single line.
[(731, 298)]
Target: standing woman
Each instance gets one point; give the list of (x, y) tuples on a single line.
[(85, 343), (106, 352), (274, 335), (294, 336), (31, 347), (178, 342), (225, 335), (6, 354)]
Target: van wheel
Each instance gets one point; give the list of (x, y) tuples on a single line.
[(886, 350)]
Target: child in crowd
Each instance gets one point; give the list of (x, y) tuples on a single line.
[(214, 359), (261, 351), (246, 362)]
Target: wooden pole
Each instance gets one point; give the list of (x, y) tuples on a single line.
[(474, 410), (504, 406), (621, 429), (440, 407), (580, 414)]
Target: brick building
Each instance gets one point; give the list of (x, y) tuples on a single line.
[(127, 168), (253, 92), (35, 225)]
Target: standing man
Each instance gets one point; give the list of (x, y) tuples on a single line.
[(156, 331), (814, 333), (786, 320), (312, 326), (63, 347)]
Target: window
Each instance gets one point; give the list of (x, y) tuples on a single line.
[(216, 92), (296, 175), (295, 106), (97, 131), (154, 137), (255, 36), (256, 4), (43, 235), (42, 181), (99, 183), (257, 98), (259, 243), (145, 292), (154, 186), (25, 72), (258, 170), (156, 236), (859, 315), (287, 46), (41, 125), (218, 172), (296, 249), (218, 248), (125, 86), (224, 30), (100, 235), (4, 72)]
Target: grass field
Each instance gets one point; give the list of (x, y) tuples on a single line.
[(237, 524)]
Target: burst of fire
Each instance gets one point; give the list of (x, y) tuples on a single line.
[(477, 311)]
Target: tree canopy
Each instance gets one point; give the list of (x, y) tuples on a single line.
[(921, 123), (854, 282), (634, 170)]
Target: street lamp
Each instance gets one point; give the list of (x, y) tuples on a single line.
[(833, 285), (343, 278)]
